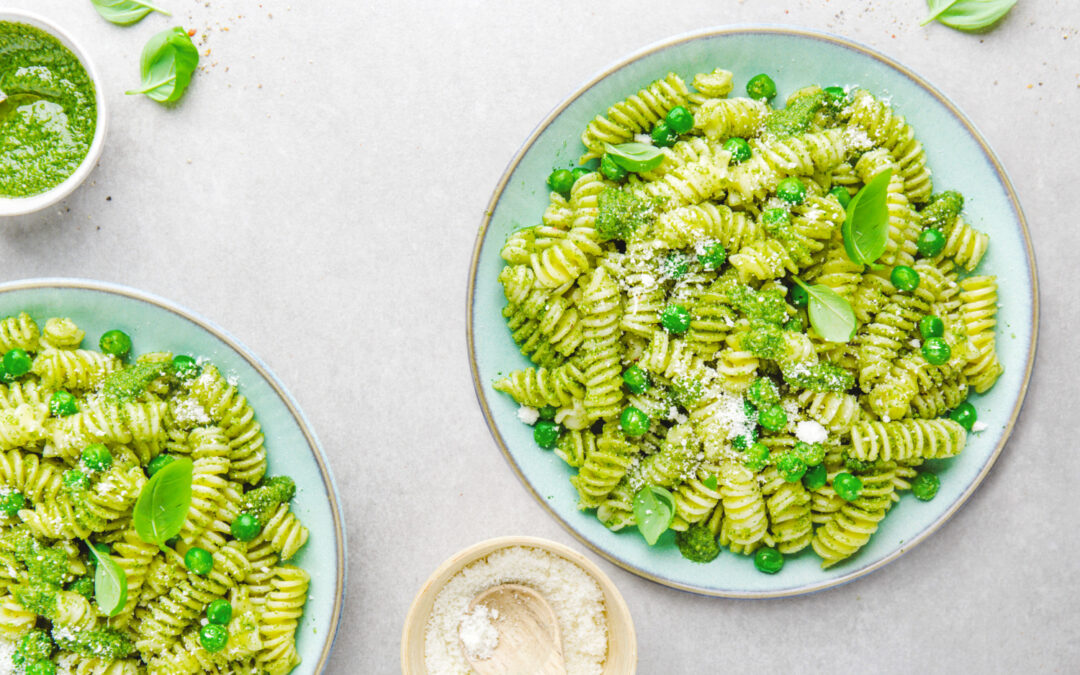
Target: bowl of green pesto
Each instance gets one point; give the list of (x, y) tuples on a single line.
[(52, 113)]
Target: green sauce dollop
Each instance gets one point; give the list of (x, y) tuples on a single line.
[(48, 119)]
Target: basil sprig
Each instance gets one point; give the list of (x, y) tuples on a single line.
[(125, 12), (167, 63), (162, 506), (636, 157), (830, 314), (110, 583), (968, 15), (654, 509), (866, 227)]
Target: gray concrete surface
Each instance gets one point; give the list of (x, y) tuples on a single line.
[(318, 191)]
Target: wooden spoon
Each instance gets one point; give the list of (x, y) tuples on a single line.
[(529, 641)]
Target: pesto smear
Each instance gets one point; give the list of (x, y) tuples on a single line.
[(49, 116)]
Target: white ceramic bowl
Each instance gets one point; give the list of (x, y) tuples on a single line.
[(17, 206)]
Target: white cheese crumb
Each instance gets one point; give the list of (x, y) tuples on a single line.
[(643, 138), (810, 432), (978, 426), (528, 414), (478, 634), (915, 344)]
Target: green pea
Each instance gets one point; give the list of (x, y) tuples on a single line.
[(548, 412), (930, 243), (17, 362), (158, 463), (769, 560), (965, 415), (115, 342), (62, 404), (680, 119), (636, 379), (185, 367), (798, 296), (675, 319), (761, 87), (791, 190), (219, 611), (904, 278), (663, 136), (546, 434), (757, 456), (774, 217), (772, 418), (611, 169), (739, 149), (936, 351), (213, 637), (675, 265), (930, 327), (11, 502), (579, 172), (847, 486), (815, 477), (811, 453), (794, 325), (925, 486), (634, 422), (41, 667), (713, 257), (790, 466), (199, 561), (561, 180), (246, 527), (836, 97), (97, 457), (842, 195)]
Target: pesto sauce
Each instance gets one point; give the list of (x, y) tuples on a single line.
[(48, 121)]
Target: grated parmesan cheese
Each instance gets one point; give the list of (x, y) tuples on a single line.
[(7, 650), (810, 432), (574, 596), (978, 426), (528, 414), (478, 634)]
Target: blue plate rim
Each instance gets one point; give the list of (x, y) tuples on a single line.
[(736, 29), (268, 375)]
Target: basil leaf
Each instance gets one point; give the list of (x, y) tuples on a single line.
[(866, 227), (110, 583), (654, 509), (636, 157), (125, 12), (167, 62), (830, 314), (968, 15), (162, 506)]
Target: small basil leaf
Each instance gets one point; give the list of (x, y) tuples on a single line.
[(866, 227), (968, 15), (830, 314), (110, 583), (654, 509), (125, 12), (162, 506), (636, 157), (167, 63)]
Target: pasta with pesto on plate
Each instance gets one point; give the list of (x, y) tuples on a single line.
[(138, 530), (750, 323)]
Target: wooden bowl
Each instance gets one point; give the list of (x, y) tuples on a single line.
[(622, 641)]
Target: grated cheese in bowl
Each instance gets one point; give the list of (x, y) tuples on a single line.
[(573, 594)]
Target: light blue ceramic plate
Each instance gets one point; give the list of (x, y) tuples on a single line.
[(960, 160), (159, 325)]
